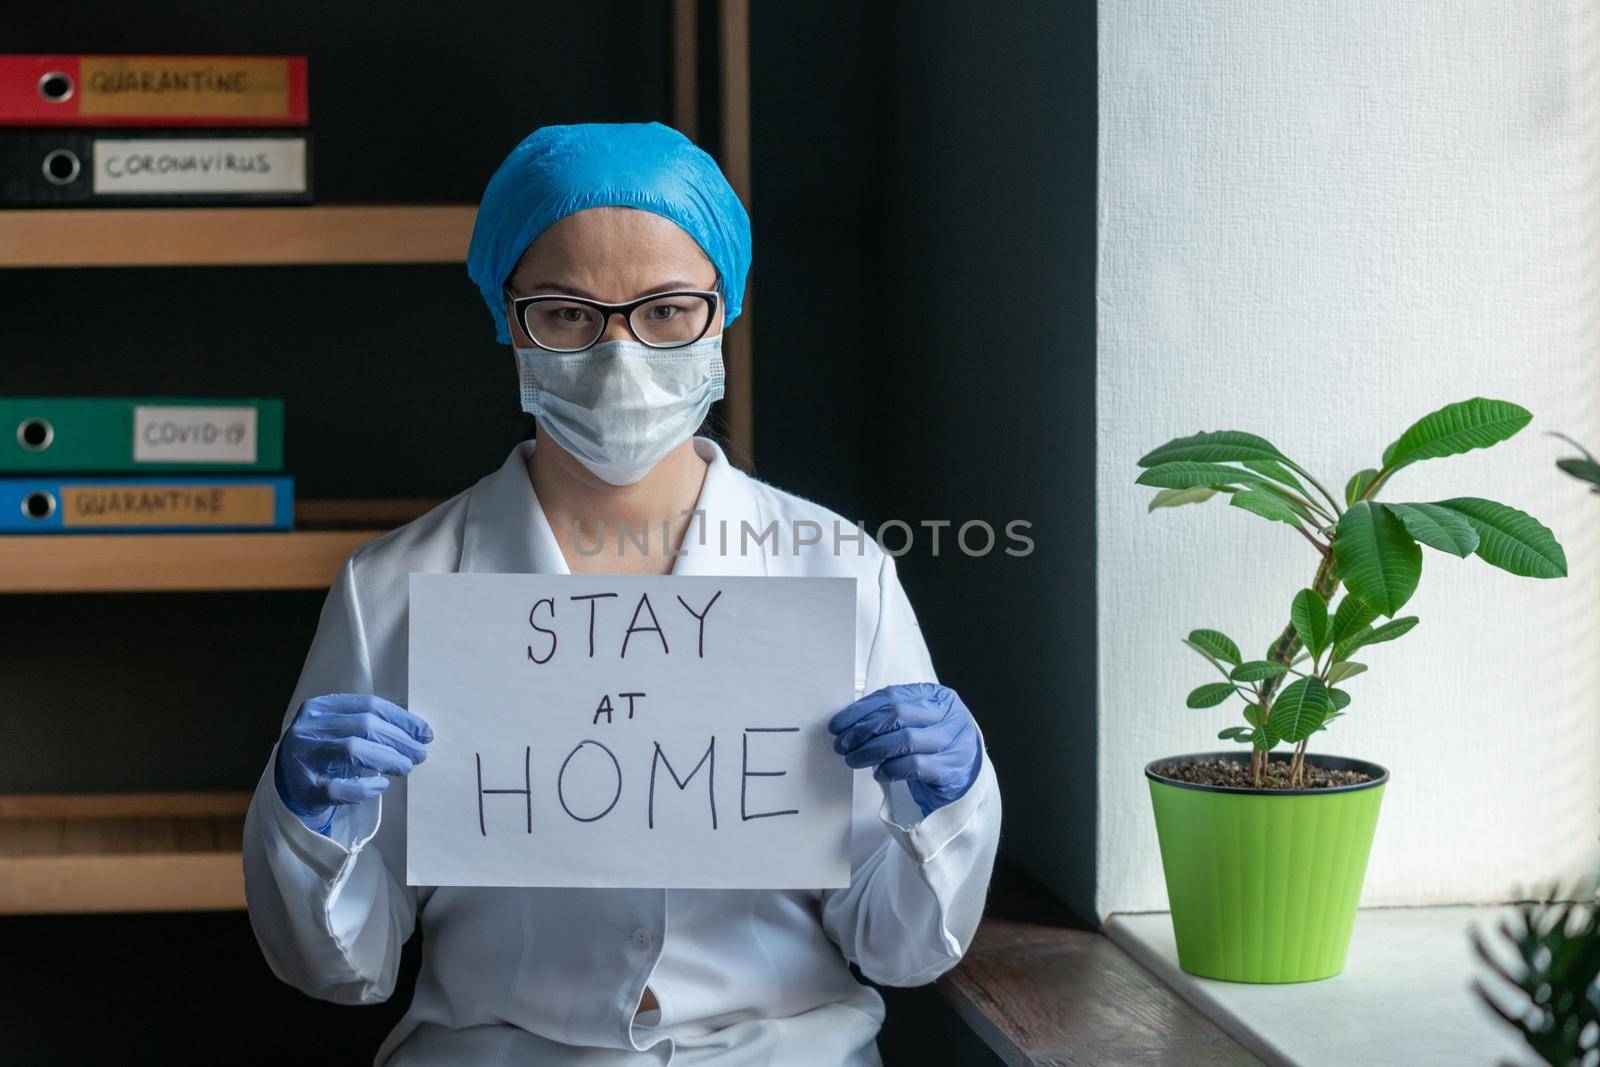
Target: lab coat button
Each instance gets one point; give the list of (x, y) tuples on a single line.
[(642, 939)]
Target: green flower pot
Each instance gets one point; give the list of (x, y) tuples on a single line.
[(1264, 883)]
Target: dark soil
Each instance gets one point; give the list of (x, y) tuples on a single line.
[(1236, 774)]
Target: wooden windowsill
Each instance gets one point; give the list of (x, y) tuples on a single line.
[(1039, 990)]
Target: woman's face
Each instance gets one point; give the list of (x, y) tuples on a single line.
[(612, 254)]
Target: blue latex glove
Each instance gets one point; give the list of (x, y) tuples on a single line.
[(921, 732), (332, 740)]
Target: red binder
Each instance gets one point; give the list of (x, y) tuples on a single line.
[(112, 90)]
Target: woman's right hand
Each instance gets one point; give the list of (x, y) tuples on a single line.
[(332, 740)]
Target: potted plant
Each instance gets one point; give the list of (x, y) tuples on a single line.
[(1264, 852)]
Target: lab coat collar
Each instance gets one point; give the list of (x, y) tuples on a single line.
[(506, 530)]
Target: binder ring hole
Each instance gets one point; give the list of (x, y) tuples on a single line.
[(56, 87), (38, 505), (61, 167), (35, 435)]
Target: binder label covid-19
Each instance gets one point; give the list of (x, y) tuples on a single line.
[(194, 434)]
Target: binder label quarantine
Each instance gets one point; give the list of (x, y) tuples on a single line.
[(194, 434), (167, 505), (242, 87), (113, 504), (152, 90)]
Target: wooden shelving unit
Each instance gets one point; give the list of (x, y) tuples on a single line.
[(186, 237), (105, 852), (155, 562), (182, 851), (67, 853)]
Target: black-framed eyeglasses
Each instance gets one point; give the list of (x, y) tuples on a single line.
[(561, 323)]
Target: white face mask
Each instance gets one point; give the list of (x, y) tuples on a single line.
[(621, 406)]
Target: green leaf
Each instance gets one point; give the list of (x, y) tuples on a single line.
[(1215, 643), (1266, 505), (1172, 498), (1309, 613), (1436, 527), (1343, 669), (1264, 739), (1375, 636), (1300, 709), (1456, 428), (1219, 446), (1209, 658), (1252, 713), (1231, 732), (1211, 694), (1510, 539), (1379, 561), (1256, 670), (1341, 700), (1184, 474), (1586, 469), (1575, 444), (1357, 485), (1277, 472), (1352, 616)]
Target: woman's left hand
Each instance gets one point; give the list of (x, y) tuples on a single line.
[(920, 732)]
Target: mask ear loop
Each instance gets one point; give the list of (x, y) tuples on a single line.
[(717, 432)]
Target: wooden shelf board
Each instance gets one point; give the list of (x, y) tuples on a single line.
[(19, 806), (205, 236), (92, 563), (42, 885), (121, 852), (364, 511)]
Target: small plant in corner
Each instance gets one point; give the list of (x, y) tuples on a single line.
[(1372, 548), (1549, 987), (1546, 953)]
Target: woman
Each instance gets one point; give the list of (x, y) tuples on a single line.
[(577, 218)]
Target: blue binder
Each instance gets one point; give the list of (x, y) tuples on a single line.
[(155, 504)]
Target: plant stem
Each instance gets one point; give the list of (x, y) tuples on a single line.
[(1308, 504), (1318, 545), (1319, 486), (1283, 651), (1377, 483)]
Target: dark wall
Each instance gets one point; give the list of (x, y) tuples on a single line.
[(925, 341), (411, 101), (924, 329)]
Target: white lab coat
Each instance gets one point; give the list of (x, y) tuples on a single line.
[(554, 976)]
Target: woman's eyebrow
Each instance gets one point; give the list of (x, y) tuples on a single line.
[(573, 290)]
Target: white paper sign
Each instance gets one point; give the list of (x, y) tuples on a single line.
[(630, 731), (192, 434)]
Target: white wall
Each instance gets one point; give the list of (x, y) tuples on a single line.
[(1319, 222)]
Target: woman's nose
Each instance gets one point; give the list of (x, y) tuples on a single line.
[(616, 329)]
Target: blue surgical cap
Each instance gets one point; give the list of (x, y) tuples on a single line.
[(559, 170)]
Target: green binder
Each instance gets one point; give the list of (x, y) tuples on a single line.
[(103, 435)]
